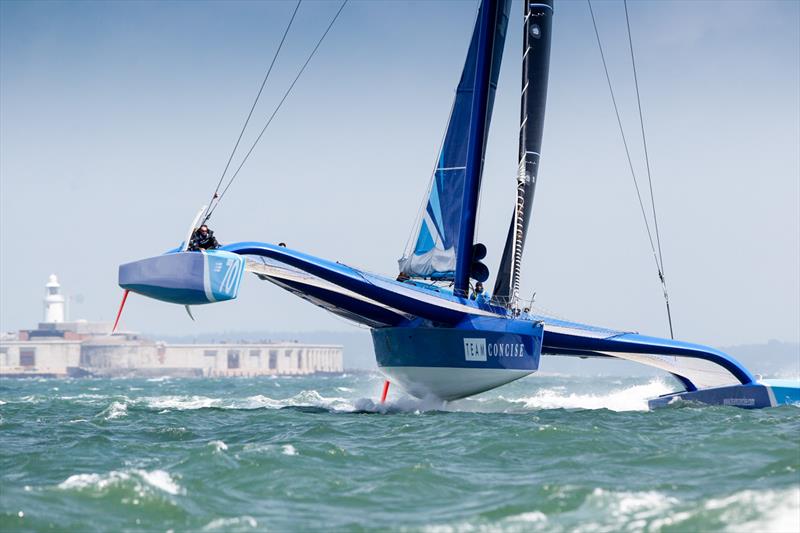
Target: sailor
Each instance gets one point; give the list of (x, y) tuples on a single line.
[(478, 294), (203, 239)]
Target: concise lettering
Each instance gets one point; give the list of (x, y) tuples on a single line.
[(480, 350)]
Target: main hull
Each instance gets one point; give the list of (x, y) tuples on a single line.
[(456, 362), (450, 383)]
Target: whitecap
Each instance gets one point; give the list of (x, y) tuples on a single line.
[(161, 480), (288, 449), (115, 410), (632, 398), (218, 445), (404, 404), (305, 398), (95, 481), (631, 511), (227, 523), (181, 403), (766, 511), (143, 481)]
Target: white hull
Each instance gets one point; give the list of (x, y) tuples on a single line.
[(447, 383)]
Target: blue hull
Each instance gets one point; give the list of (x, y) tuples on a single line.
[(452, 363), (766, 393), (187, 278)]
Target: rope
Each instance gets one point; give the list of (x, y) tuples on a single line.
[(644, 137), (277, 108), (215, 196), (656, 255), (649, 175)]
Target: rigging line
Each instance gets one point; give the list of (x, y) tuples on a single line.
[(277, 108), (633, 172), (647, 163), (252, 108), (644, 137), (624, 139)]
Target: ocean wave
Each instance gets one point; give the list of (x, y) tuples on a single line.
[(306, 398), (403, 404), (143, 482), (766, 511), (632, 398), (608, 510), (218, 445), (288, 449), (181, 403), (226, 524), (83, 397), (117, 409)]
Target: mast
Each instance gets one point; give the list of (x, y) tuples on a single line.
[(535, 67), (490, 14)]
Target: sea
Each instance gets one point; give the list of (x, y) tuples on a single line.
[(320, 453)]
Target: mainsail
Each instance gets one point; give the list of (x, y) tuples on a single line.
[(433, 251), (535, 66)]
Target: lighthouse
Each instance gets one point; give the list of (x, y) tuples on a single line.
[(53, 301)]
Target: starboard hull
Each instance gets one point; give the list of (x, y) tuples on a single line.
[(766, 393)]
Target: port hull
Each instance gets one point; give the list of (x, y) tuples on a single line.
[(186, 278)]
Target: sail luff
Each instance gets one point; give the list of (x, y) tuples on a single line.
[(491, 11), (533, 98)]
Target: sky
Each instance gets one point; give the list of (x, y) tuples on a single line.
[(117, 118)]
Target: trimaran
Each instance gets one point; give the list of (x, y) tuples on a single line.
[(429, 335)]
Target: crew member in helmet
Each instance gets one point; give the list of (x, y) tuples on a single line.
[(478, 294), (203, 239)]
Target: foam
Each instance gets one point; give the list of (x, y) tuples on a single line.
[(115, 410), (181, 403), (288, 449), (302, 399), (218, 445), (143, 481), (777, 510), (227, 523), (632, 398)]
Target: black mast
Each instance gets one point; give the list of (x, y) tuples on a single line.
[(535, 67)]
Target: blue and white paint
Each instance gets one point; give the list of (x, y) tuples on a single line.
[(187, 278)]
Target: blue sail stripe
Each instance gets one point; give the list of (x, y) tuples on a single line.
[(435, 209), (425, 242)]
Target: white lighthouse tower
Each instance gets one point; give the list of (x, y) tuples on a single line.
[(53, 301)]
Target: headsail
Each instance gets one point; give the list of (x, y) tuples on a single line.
[(535, 67), (432, 252)]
